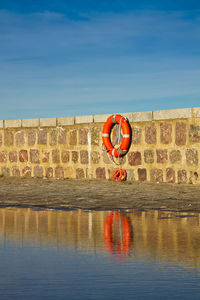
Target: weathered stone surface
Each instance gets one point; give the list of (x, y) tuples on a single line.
[(144, 116), (75, 156), (194, 134), (149, 156), (13, 156), (170, 175), (68, 172), (181, 133), (101, 173), (26, 172), (73, 137), (80, 173), (182, 113), (95, 157), (55, 156), (65, 156), (136, 135), (100, 118), (95, 135), (59, 172), (175, 156), (8, 138), (182, 176), (20, 138), (65, 121), (3, 156), (45, 156), (165, 133), (42, 136), (150, 134), (1, 123), (38, 171), (142, 174), (23, 155), (162, 155), (1, 139), (15, 171), (191, 157), (62, 136), (83, 136), (84, 119), (130, 174), (32, 137), (107, 159), (48, 122), (30, 122), (12, 123), (84, 156), (156, 175), (34, 156), (49, 172), (53, 137), (134, 158), (5, 171)]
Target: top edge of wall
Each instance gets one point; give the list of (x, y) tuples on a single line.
[(146, 116)]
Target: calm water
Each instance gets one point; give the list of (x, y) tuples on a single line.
[(80, 254)]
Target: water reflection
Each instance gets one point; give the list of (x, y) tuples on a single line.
[(132, 234)]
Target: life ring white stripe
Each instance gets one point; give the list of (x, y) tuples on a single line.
[(126, 135), (113, 152), (105, 134)]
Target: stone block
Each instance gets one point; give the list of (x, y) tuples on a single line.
[(48, 122), (3, 156), (196, 112), (68, 172), (45, 156), (181, 133), (183, 113), (95, 136), (13, 156), (134, 158), (162, 155), (49, 172), (156, 175), (83, 119), (8, 138), (53, 137), (65, 121), (59, 172), (20, 138), (175, 156), (149, 156), (1, 123), (75, 156), (15, 171), (26, 172), (107, 158), (5, 171), (95, 157), (62, 136), (80, 173), (100, 173), (100, 118), (142, 174), (42, 137), (182, 176), (170, 175), (34, 156), (84, 157), (136, 135), (145, 116), (150, 134), (38, 171), (73, 137), (130, 174), (30, 123), (165, 133), (56, 156), (31, 137), (83, 136), (23, 155), (12, 123), (65, 156), (194, 134), (191, 157)]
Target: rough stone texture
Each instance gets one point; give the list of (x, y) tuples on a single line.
[(144, 116), (107, 159), (49, 172), (55, 156), (80, 173), (191, 157), (49, 122), (1, 123), (142, 174), (62, 136), (8, 138), (26, 172), (3, 156), (83, 119), (134, 158), (100, 118), (30, 122), (84, 156), (53, 137), (20, 138), (194, 134), (165, 133), (31, 137), (175, 156), (95, 157), (34, 156), (15, 171), (130, 174), (12, 123), (68, 172), (1, 139), (182, 176), (65, 121), (95, 135), (45, 156), (136, 135), (181, 133), (162, 155), (170, 175), (13, 156), (156, 175), (73, 137), (5, 171), (183, 113), (65, 156), (23, 155), (150, 134), (149, 156), (100, 173), (83, 136), (59, 172), (42, 136), (38, 171), (75, 156)]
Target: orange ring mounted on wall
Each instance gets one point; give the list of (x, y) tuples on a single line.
[(126, 133)]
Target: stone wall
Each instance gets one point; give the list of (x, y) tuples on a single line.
[(165, 147)]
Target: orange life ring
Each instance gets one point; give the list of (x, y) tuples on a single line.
[(126, 133)]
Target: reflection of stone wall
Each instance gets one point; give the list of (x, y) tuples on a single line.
[(153, 237), (165, 147)]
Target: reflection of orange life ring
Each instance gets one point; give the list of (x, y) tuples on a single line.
[(124, 245), (126, 132)]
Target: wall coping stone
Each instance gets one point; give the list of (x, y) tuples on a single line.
[(182, 113), (196, 112), (84, 119), (30, 122), (1, 123), (65, 121), (48, 122), (101, 118), (12, 123)]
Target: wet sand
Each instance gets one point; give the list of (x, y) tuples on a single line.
[(94, 194)]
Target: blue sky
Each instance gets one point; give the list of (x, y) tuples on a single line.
[(64, 58)]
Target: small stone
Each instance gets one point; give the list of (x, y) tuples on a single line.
[(20, 138), (62, 136), (100, 173), (175, 156), (156, 175), (194, 134), (13, 156), (136, 135), (83, 136), (149, 156), (38, 171), (182, 176), (130, 174), (95, 157), (45, 156), (181, 133), (55, 156), (192, 157), (134, 158), (5, 171), (162, 156), (3, 156), (75, 156), (31, 137), (26, 172), (49, 172), (165, 133), (95, 136), (84, 156), (150, 134), (23, 155), (59, 172), (142, 174), (73, 137), (15, 171), (53, 137), (35, 156), (170, 175), (65, 156), (80, 173), (8, 138), (42, 137)]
